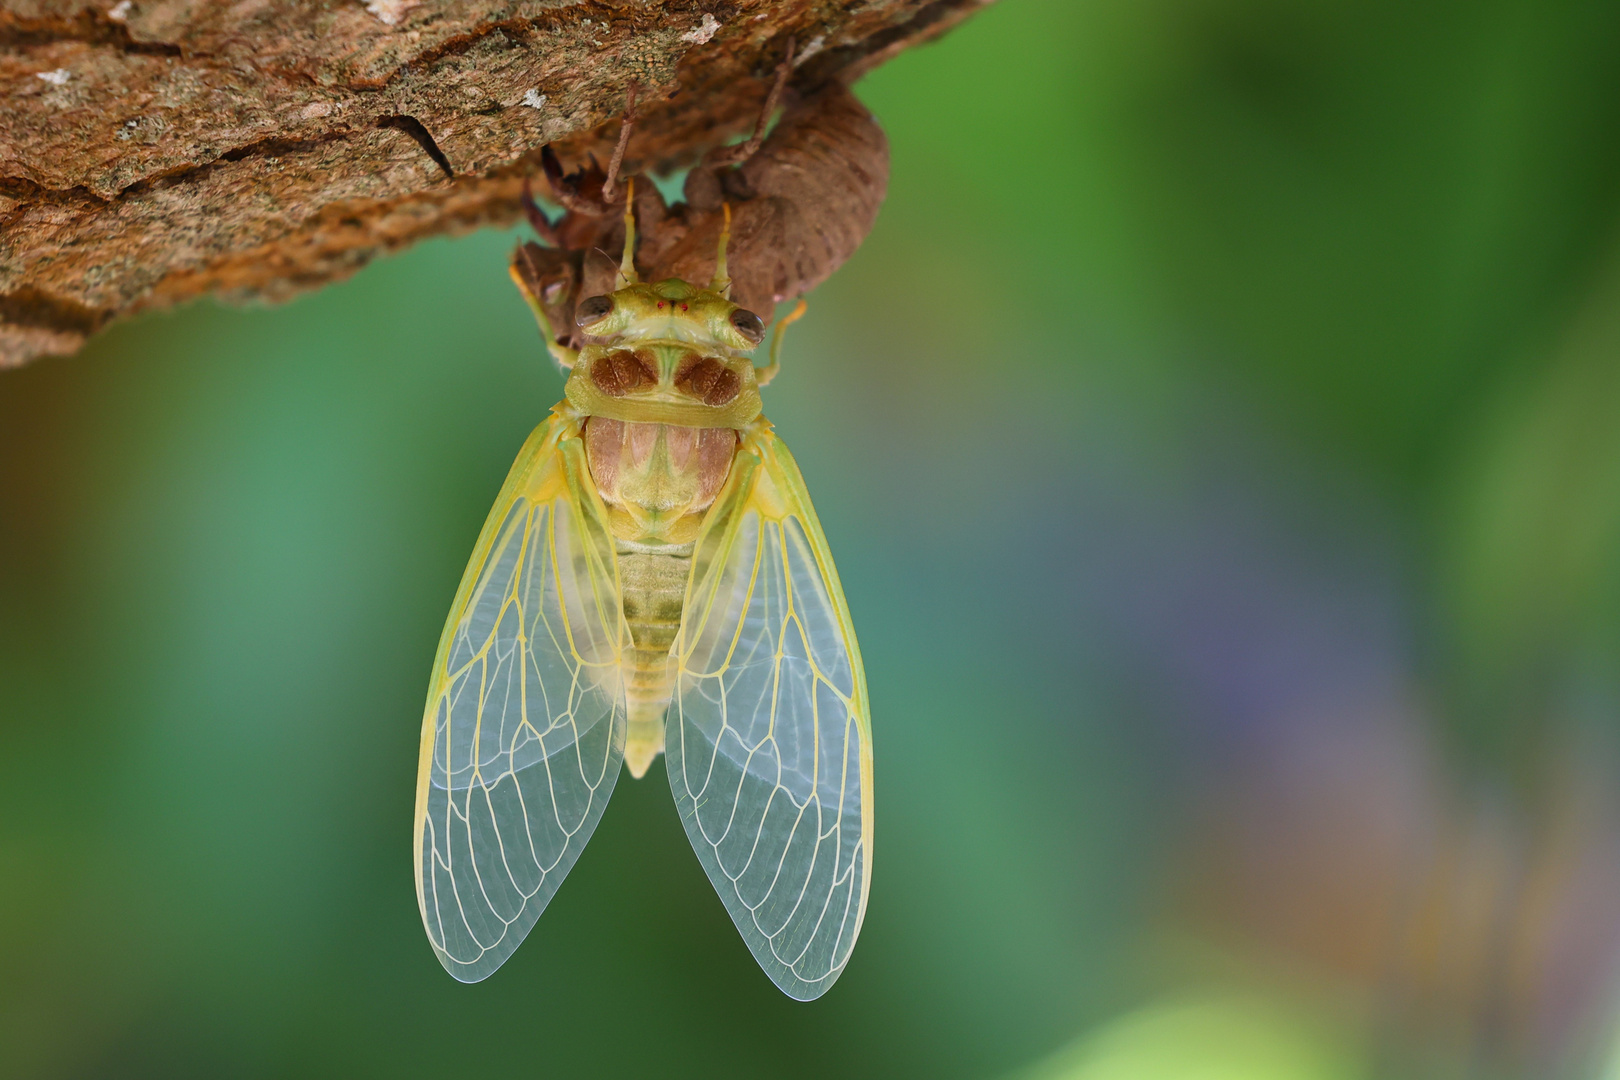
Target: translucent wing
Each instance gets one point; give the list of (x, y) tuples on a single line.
[(525, 721), (768, 738)]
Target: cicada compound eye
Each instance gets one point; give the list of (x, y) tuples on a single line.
[(749, 325), (593, 309)]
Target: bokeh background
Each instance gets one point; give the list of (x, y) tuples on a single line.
[(1219, 437)]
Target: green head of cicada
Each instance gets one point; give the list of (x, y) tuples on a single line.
[(671, 310), (667, 352)]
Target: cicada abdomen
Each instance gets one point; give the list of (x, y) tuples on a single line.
[(652, 577)]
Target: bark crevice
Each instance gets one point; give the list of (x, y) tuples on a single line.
[(87, 26), (418, 131)]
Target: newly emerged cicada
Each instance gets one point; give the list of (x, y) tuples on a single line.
[(652, 577)]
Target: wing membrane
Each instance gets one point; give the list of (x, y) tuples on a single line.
[(768, 737), (524, 728)]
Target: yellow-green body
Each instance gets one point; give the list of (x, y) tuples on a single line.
[(652, 578)]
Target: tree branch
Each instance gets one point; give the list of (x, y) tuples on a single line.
[(152, 151)]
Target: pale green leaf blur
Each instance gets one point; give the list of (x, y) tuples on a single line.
[(1204, 1039), (1219, 439)]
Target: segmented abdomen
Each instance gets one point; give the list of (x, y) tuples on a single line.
[(654, 586)]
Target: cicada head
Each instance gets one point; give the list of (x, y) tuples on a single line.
[(668, 352), (672, 310)]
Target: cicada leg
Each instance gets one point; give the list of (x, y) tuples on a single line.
[(736, 155), (768, 372), (548, 279), (610, 194), (573, 190), (705, 187)]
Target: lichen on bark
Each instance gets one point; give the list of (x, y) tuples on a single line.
[(152, 151)]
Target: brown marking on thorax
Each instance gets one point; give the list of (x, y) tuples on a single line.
[(622, 371), (707, 379), (670, 382)]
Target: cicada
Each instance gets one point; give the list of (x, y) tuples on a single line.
[(652, 577)]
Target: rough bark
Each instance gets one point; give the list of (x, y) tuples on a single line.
[(155, 150)]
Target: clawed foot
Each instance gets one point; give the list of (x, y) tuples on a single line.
[(736, 155), (580, 190)]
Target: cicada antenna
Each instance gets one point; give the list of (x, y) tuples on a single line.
[(627, 262), (768, 372), (722, 278)]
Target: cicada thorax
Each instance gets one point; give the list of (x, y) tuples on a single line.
[(665, 382)]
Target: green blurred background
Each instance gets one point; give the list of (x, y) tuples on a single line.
[(1219, 436)]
